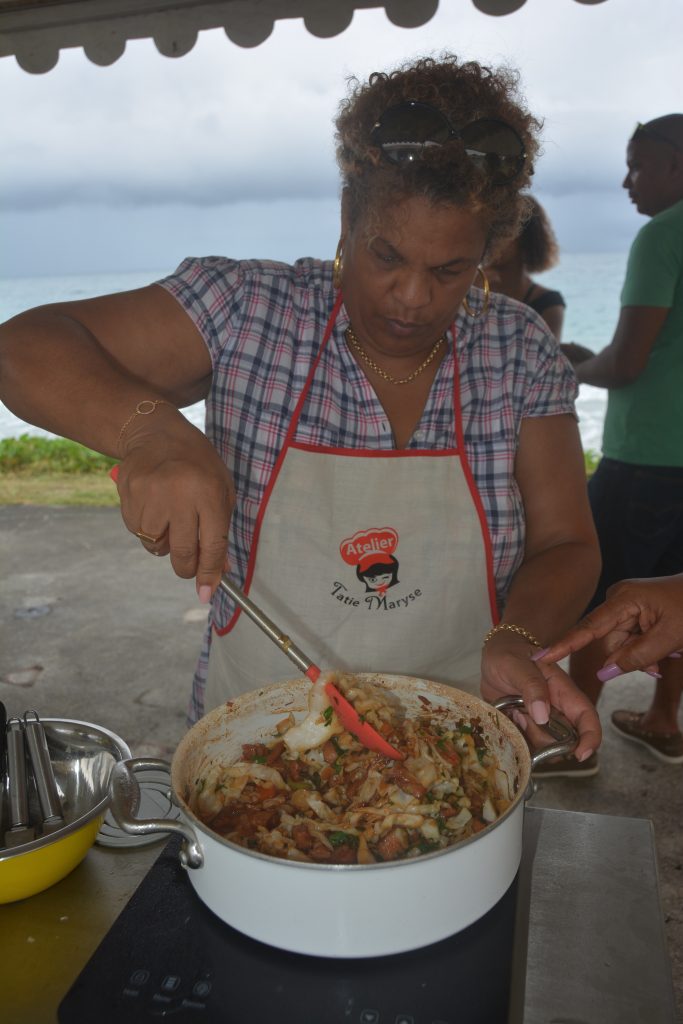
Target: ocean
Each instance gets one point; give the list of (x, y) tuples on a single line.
[(589, 282)]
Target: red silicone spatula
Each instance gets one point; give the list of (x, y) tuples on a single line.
[(346, 712)]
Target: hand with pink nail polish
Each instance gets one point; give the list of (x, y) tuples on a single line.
[(641, 623), (508, 668)]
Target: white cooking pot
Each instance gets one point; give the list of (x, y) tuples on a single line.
[(346, 910)]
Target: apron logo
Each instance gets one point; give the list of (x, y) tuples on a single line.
[(372, 553)]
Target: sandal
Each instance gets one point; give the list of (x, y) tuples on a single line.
[(667, 747)]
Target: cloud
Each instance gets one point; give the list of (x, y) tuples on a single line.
[(227, 127)]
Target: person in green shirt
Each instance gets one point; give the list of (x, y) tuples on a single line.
[(636, 492)]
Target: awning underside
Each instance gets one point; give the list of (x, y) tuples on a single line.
[(35, 32)]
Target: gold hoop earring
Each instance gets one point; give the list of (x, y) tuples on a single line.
[(338, 266), (487, 293)]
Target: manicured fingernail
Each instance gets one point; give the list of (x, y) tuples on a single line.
[(519, 719), (539, 712), (609, 672), (204, 593), (539, 654), (655, 675), (584, 757), (676, 654)]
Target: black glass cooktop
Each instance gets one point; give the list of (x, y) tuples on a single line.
[(167, 955)]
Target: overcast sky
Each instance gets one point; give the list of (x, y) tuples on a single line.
[(228, 150)]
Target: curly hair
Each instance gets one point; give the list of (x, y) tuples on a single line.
[(463, 92), (538, 246)]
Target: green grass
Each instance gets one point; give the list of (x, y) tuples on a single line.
[(37, 455), (54, 471), (591, 460)]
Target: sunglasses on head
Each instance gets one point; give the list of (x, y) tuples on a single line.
[(652, 133), (407, 131)]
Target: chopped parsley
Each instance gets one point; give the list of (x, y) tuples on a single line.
[(342, 839)]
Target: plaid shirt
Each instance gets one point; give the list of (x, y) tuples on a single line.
[(264, 323)]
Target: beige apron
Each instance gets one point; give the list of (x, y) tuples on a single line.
[(369, 560)]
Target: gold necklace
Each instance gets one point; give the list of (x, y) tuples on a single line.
[(353, 341)]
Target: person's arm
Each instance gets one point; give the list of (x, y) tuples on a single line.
[(80, 369), (554, 317), (626, 356), (642, 621), (554, 582)]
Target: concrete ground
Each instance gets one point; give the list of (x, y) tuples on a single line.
[(92, 628)]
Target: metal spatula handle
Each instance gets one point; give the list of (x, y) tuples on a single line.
[(286, 645), (346, 712), (44, 777), (3, 760), (20, 831)]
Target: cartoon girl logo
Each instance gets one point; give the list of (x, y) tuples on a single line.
[(371, 552)]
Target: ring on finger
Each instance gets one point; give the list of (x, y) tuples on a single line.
[(150, 540)]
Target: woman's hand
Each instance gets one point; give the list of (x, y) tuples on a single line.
[(641, 621), (176, 491), (507, 669)]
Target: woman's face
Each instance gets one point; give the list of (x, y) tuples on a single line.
[(380, 579), (402, 287)]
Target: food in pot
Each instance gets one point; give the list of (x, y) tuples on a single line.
[(313, 793)]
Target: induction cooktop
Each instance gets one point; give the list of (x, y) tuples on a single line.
[(168, 956)]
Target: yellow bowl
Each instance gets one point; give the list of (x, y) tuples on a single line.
[(82, 756)]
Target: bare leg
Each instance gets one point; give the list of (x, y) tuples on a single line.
[(662, 715), (583, 666)]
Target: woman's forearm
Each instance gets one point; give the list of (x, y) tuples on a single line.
[(551, 589), (81, 368), (54, 374)]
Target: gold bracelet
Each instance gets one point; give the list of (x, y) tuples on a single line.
[(512, 629), (144, 408)]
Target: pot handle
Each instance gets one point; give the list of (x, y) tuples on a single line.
[(565, 735), (125, 802)]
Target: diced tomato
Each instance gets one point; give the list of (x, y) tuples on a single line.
[(266, 792)]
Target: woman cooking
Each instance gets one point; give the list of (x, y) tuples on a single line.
[(378, 409)]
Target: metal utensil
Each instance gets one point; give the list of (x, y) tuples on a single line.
[(20, 831), (3, 767), (43, 775), (346, 712)]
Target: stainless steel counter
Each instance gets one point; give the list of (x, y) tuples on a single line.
[(590, 945)]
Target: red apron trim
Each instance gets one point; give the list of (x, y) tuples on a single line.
[(474, 491), (278, 464), (460, 451), (365, 453)]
